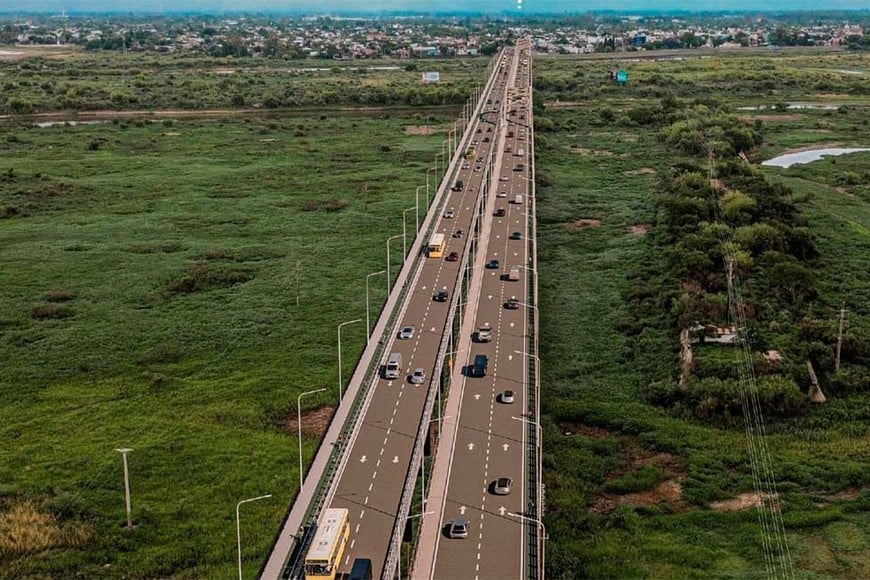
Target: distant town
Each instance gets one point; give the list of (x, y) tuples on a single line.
[(404, 37)]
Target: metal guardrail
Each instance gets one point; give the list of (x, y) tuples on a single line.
[(294, 564), (536, 556), (394, 551)]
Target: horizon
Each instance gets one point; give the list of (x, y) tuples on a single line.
[(446, 8)]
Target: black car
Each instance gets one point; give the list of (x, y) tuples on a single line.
[(512, 303), (458, 233), (499, 212), (516, 236), (492, 265), (452, 257), (478, 369), (441, 295)]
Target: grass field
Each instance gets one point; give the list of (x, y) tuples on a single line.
[(86, 81), (172, 287), (633, 490)]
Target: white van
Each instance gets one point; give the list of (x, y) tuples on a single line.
[(518, 199), (394, 366), (519, 152)]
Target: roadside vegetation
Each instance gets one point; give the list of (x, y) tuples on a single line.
[(172, 287), (646, 476)]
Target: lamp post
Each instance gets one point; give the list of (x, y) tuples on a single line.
[(340, 387), (368, 325), (299, 424), (405, 232), (544, 538), (427, 181), (410, 517), (390, 280), (417, 204), (423, 467), (124, 451), (239, 528)]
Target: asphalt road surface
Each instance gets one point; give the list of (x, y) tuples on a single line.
[(490, 437), (370, 486)]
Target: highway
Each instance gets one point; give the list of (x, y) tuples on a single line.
[(378, 458), (487, 439)]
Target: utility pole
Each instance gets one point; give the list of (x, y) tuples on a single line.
[(298, 281), (840, 337)]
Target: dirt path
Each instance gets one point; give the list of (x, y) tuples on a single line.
[(108, 115)]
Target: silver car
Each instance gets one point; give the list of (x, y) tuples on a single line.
[(502, 486), (458, 529), (418, 377), (407, 332)]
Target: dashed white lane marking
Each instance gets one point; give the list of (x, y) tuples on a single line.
[(356, 531), (353, 542), (370, 487), (366, 502)]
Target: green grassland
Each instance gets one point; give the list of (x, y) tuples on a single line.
[(630, 485), (111, 81), (172, 287)]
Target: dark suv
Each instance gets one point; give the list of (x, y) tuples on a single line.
[(441, 295), (478, 369)]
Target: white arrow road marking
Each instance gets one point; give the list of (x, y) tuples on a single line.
[(396, 459), (362, 459), (462, 509), (501, 510), (505, 446), (477, 397), (471, 446), (510, 357), (433, 329), (490, 296), (512, 324)]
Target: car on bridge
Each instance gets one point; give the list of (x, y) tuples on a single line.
[(502, 486), (499, 212), (441, 295), (507, 397), (481, 362), (492, 265), (406, 333), (458, 529), (512, 303), (516, 236), (418, 377), (452, 257)]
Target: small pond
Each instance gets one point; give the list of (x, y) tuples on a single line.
[(802, 157)]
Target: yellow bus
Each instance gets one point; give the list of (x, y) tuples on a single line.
[(436, 246), (470, 153), (324, 554)]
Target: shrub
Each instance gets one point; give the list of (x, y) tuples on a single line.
[(50, 312), (64, 295)]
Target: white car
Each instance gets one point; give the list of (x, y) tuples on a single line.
[(448, 214), (507, 397), (407, 332), (504, 178), (417, 377), (501, 194)]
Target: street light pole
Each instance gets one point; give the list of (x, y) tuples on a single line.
[(340, 387), (368, 325), (299, 424), (423, 467), (124, 451), (390, 280), (400, 542), (544, 538), (417, 204), (427, 181), (239, 528), (405, 231)]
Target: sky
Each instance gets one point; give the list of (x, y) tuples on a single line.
[(490, 6)]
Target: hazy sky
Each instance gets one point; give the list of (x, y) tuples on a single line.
[(423, 5)]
